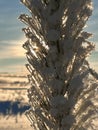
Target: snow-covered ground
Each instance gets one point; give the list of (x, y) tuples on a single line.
[(13, 123), (13, 87), (13, 92)]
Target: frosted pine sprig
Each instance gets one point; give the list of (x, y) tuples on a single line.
[(62, 84)]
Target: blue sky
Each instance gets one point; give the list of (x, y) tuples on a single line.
[(12, 58)]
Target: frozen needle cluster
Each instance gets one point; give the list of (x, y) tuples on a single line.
[(62, 83)]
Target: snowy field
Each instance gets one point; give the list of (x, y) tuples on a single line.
[(13, 102)]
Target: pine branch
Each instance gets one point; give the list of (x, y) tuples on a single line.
[(62, 82)]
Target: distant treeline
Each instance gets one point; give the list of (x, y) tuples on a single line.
[(14, 82), (12, 108), (12, 75)]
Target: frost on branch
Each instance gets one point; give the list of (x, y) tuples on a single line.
[(63, 85)]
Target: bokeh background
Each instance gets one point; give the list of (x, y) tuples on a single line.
[(13, 80), (12, 58)]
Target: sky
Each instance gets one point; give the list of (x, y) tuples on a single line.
[(12, 55)]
